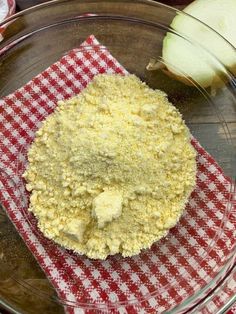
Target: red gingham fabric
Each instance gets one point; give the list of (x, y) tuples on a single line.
[(155, 280), (232, 310)]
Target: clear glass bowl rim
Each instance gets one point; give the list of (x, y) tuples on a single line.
[(228, 265)]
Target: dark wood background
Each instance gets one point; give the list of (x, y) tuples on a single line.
[(24, 4), (21, 5)]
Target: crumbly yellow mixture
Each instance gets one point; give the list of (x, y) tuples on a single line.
[(111, 169)]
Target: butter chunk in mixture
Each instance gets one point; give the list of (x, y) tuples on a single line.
[(107, 206), (110, 171)]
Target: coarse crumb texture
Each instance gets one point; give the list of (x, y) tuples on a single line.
[(110, 171)]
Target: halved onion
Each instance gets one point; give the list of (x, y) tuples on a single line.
[(183, 59)]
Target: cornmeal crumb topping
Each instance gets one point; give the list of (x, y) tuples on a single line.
[(110, 171)]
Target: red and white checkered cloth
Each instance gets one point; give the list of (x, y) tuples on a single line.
[(157, 279), (232, 310)]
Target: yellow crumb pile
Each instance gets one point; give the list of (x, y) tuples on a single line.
[(111, 169)]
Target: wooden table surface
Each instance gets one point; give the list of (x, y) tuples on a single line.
[(20, 297), (24, 4)]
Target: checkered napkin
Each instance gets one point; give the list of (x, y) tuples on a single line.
[(155, 280), (233, 310)]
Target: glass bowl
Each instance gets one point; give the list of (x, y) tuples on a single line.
[(179, 273)]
